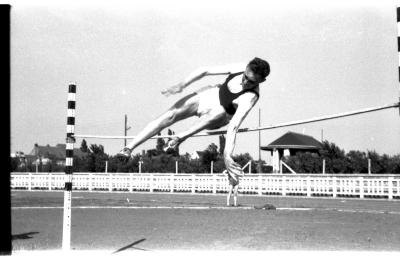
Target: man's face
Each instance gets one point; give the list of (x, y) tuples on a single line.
[(250, 79)]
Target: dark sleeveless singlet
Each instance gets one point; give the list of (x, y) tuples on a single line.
[(226, 96)]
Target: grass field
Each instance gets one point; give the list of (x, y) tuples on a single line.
[(121, 222)]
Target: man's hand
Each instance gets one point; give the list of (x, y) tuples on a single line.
[(174, 89), (233, 168)]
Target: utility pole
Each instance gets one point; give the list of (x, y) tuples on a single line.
[(126, 128), (259, 141)]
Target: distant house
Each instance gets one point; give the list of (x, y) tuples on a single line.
[(18, 154), (45, 154), (288, 145), (21, 157)]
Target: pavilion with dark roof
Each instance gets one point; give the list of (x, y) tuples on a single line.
[(288, 145)]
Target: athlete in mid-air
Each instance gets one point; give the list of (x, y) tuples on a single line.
[(216, 106)]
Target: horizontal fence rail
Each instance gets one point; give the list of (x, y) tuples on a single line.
[(333, 185)]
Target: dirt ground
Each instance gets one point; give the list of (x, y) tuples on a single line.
[(121, 222)]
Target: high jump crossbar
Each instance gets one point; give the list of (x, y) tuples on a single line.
[(280, 125)]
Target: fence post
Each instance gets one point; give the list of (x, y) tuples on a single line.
[(334, 186), (390, 187), (214, 183), (308, 180), (172, 183), (283, 185), (369, 166), (130, 182), (151, 182), (49, 181), (30, 182), (259, 185), (110, 183), (90, 182), (193, 184), (361, 186)]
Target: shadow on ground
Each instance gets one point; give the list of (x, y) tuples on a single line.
[(131, 246), (24, 235)]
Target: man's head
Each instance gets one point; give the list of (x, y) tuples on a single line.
[(260, 68), (256, 72)]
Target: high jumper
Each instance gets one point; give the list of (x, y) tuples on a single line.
[(216, 106)]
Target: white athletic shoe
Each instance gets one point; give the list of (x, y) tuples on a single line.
[(172, 144), (125, 153)]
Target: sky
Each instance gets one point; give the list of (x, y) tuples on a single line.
[(326, 58)]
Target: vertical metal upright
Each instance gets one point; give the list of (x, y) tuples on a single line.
[(259, 168), (398, 42), (69, 155), (125, 129)]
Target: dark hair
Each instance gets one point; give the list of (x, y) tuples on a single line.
[(260, 67)]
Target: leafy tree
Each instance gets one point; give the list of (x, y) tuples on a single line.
[(378, 163), (210, 154), (96, 158), (80, 164), (14, 163), (242, 159), (335, 158), (357, 162), (331, 151), (84, 147), (302, 162), (393, 165), (222, 141), (160, 145)]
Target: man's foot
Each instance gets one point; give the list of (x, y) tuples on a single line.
[(172, 144), (124, 154)]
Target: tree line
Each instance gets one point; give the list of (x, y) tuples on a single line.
[(157, 160), (338, 161)]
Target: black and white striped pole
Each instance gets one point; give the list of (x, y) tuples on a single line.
[(69, 155)]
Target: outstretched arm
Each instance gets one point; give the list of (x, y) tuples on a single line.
[(246, 103), (202, 72)]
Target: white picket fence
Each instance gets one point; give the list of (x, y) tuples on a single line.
[(334, 185)]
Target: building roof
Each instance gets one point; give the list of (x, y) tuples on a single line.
[(57, 151), (292, 140)]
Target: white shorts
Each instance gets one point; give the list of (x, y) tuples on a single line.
[(208, 100)]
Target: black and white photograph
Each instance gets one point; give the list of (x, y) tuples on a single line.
[(186, 127)]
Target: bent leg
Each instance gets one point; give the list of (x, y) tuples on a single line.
[(184, 108), (211, 120)]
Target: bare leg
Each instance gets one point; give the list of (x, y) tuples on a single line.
[(184, 108), (228, 198), (207, 121), (235, 193), (212, 120)]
